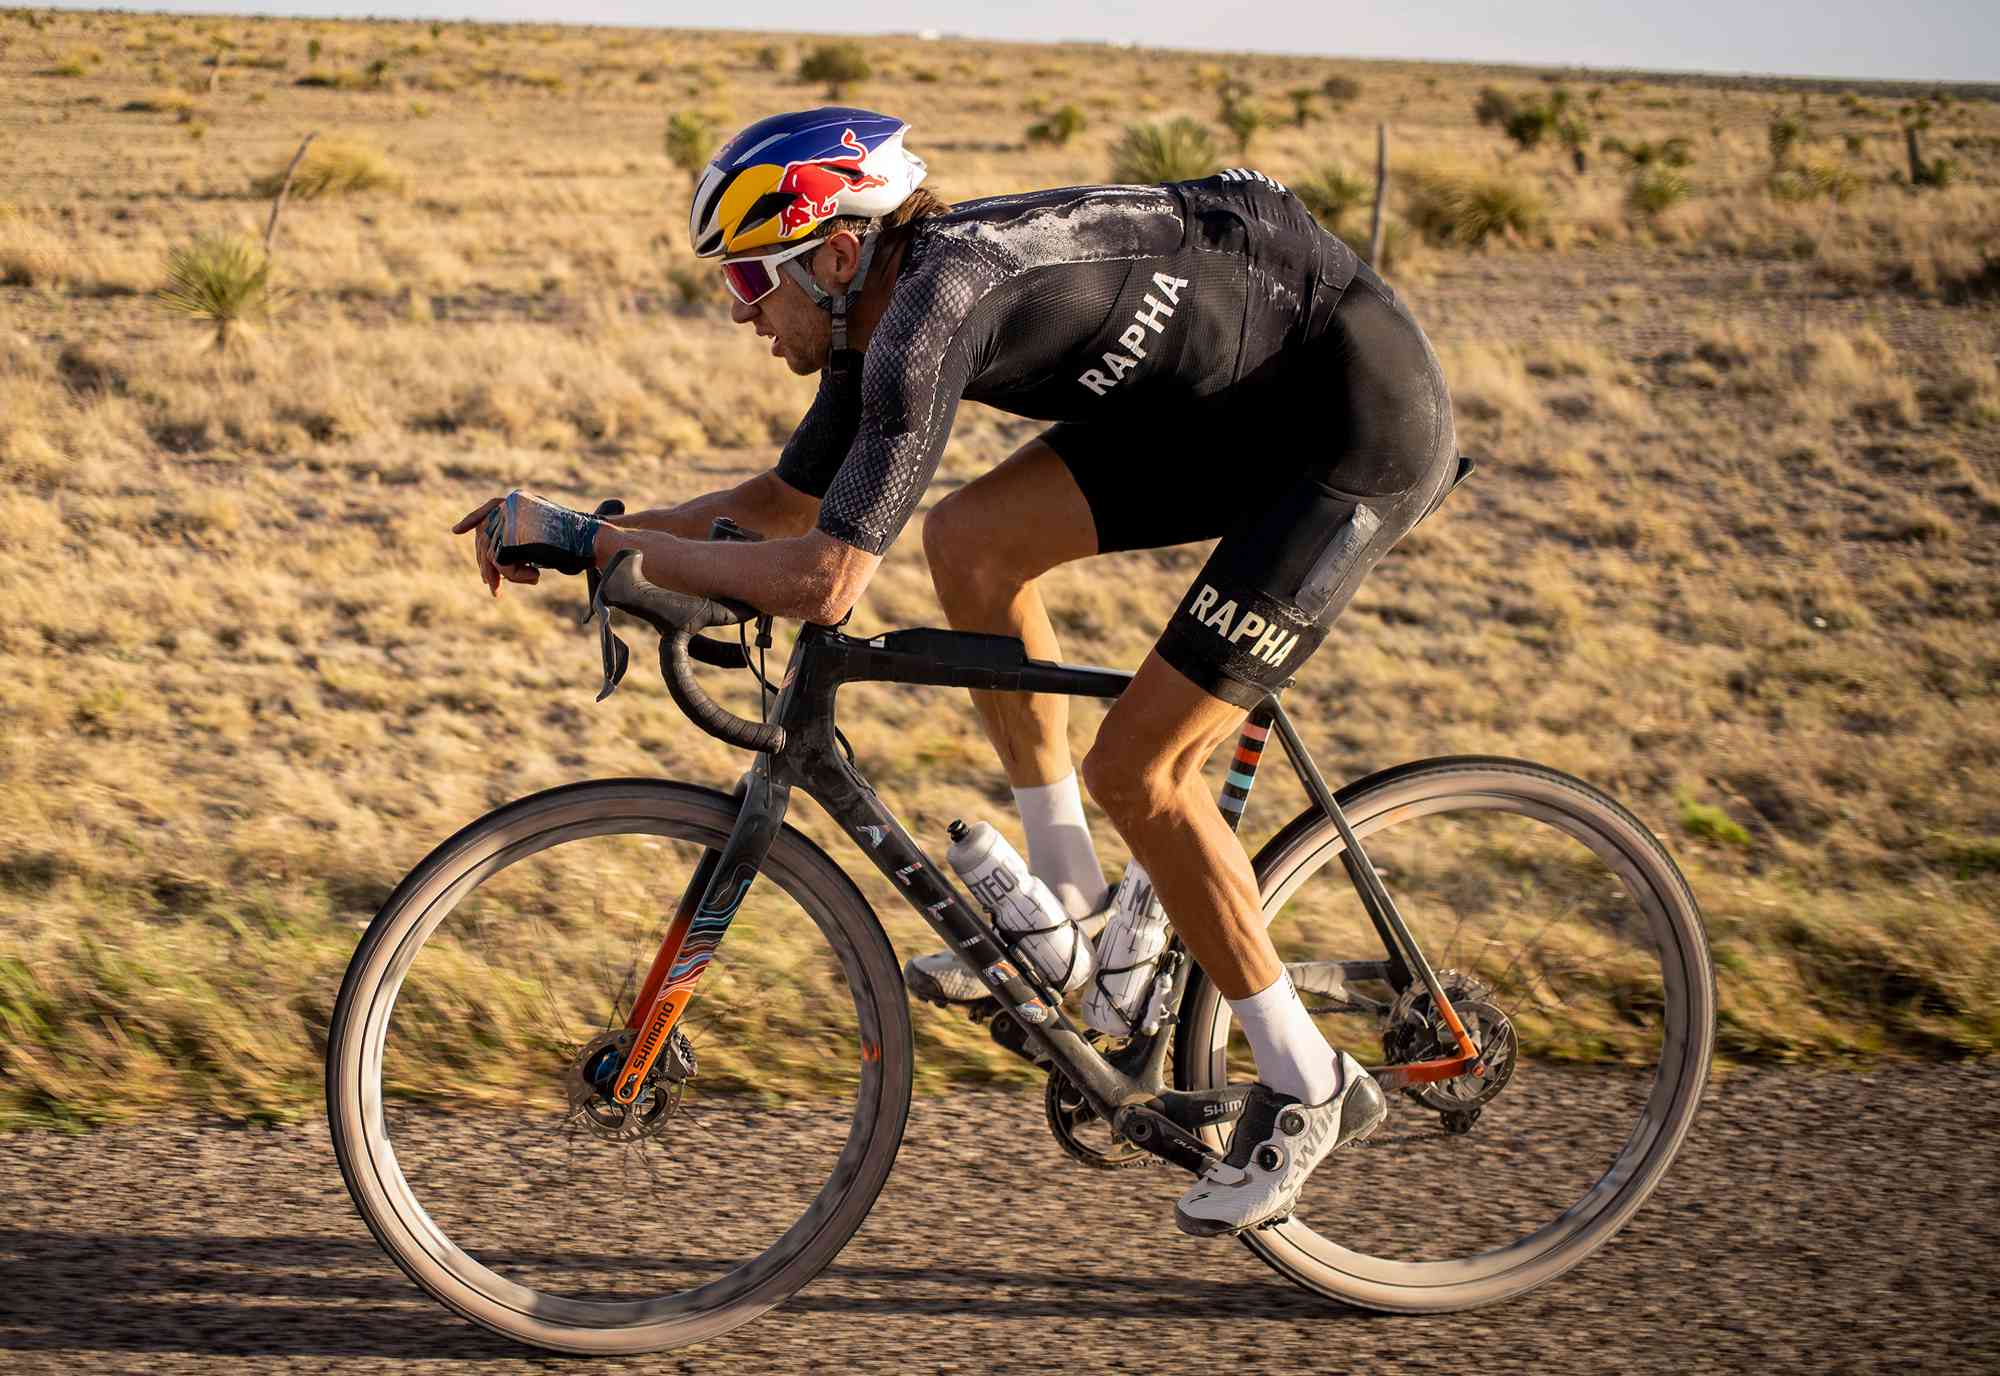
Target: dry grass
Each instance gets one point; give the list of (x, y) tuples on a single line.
[(1734, 559)]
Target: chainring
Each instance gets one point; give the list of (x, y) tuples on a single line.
[(1413, 1032), (1070, 1114)]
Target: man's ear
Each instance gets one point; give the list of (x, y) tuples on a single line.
[(837, 259)]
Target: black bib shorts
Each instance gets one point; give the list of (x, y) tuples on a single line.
[(1307, 478)]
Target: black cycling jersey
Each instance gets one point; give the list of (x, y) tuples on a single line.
[(1217, 365), (1091, 305)]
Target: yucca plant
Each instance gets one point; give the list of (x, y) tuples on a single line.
[(1243, 122), (1467, 209), (1656, 190), (220, 280), (1302, 105), (1331, 195), (1180, 151), (689, 141)]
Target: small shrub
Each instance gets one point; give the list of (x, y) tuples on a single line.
[(1243, 122), (1340, 90), (1331, 195), (1814, 182), (689, 141), (1783, 136), (1657, 190), (1058, 128), (1302, 105), (1936, 172), (1530, 124), (839, 65), (220, 280), (313, 49), (325, 81), (1494, 108), (1711, 823), (770, 57), (332, 168), (1180, 151), (1466, 209), (160, 102), (1674, 152), (69, 66), (378, 72)]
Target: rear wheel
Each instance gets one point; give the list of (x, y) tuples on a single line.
[(1573, 949), (468, 1038)]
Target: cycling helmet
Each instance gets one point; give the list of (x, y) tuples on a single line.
[(784, 176)]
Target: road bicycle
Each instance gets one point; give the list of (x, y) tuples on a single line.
[(587, 1158)]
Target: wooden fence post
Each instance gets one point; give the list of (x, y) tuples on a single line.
[(1381, 193), (284, 188)]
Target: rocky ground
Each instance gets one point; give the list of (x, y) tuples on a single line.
[(1815, 1221)]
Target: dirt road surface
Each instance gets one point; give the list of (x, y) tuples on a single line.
[(1816, 1222)]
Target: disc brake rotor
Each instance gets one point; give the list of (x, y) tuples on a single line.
[(595, 1067), (1414, 1032)]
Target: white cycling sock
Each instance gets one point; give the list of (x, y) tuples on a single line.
[(1060, 851), (1292, 1057)]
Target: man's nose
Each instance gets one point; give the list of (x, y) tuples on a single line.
[(741, 313)]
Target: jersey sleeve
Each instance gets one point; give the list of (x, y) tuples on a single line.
[(814, 452), (919, 363)]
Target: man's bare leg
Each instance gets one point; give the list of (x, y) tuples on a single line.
[(987, 543), (1145, 770)]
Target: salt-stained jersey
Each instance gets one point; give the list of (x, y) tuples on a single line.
[(1106, 305)]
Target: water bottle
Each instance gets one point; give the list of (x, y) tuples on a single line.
[(1127, 951), (1021, 906)]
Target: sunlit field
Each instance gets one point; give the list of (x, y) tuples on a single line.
[(1726, 353)]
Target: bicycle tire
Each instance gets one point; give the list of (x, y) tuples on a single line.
[(1421, 788), (354, 1060)]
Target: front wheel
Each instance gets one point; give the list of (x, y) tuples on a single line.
[(1571, 946), (477, 1016)]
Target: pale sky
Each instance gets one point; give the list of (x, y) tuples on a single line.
[(1931, 40)]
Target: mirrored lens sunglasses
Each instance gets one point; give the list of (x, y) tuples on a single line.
[(752, 279)]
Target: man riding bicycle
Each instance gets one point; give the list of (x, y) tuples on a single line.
[(1216, 365)]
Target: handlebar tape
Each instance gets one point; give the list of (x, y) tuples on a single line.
[(677, 616)]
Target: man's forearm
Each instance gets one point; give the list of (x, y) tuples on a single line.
[(765, 503), (812, 577)]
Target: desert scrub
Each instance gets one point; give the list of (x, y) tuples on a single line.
[(1710, 823), (1656, 190), (839, 65), (1463, 209), (1179, 151), (689, 141), (1058, 127), (331, 168), (221, 281), (1331, 195), (162, 101), (1243, 121)]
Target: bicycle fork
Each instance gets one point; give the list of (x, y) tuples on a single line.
[(714, 892)]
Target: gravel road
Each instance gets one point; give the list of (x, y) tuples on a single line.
[(1815, 1221)]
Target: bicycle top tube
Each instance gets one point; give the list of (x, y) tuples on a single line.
[(950, 659)]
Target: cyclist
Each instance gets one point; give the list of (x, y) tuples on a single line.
[(1216, 365)]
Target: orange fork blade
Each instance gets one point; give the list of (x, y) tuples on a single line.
[(665, 1013)]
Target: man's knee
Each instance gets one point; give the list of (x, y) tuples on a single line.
[(963, 551), (1129, 782)]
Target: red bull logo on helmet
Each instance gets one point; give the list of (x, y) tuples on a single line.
[(816, 183)]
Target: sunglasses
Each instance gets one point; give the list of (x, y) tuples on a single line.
[(752, 279)]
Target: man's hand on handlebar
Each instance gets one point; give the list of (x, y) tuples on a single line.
[(516, 536)]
